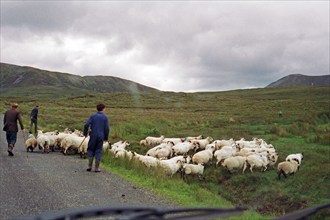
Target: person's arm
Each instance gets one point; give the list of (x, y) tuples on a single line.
[(106, 129), (5, 118), (86, 126), (20, 120)]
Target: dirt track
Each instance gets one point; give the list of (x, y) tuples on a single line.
[(32, 183)]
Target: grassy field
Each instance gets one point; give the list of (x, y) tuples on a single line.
[(303, 127)]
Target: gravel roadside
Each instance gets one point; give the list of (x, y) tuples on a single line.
[(33, 183)]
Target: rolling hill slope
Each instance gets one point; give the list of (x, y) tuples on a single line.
[(301, 80), (22, 80)]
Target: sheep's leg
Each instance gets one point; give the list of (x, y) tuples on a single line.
[(245, 165), (284, 174), (251, 167)]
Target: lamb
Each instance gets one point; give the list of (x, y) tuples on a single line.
[(183, 148), (204, 156), (31, 143), (256, 160), (152, 141), (287, 168), (234, 163), (295, 157)]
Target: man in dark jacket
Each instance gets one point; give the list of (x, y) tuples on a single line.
[(99, 125), (10, 126), (34, 120)]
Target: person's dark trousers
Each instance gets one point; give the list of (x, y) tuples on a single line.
[(35, 123)]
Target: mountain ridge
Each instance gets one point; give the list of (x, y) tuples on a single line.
[(300, 80), (14, 76)]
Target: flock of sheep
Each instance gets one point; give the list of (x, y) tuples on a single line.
[(186, 155), (191, 154)]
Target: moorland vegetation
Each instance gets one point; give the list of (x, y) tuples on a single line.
[(303, 127)]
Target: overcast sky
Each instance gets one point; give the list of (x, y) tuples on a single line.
[(177, 46)]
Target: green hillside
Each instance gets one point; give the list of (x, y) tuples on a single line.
[(303, 127), (19, 80)]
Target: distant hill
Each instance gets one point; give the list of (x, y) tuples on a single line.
[(24, 80), (301, 80)]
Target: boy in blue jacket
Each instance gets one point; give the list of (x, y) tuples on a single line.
[(99, 125)]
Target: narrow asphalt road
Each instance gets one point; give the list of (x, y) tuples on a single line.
[(33, 183)]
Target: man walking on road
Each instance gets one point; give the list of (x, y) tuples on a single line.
[(34, 120), (10, 126), (99, 125)]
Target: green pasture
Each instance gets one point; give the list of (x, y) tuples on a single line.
[(303, 127)]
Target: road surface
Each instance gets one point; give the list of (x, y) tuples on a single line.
[(33, 183)]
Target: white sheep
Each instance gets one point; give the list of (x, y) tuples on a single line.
[(173, 165), (295, 157), (189, 169), (52, 136), (152, 141), (74, 142), (31, 143), (234, 163), (148, 161), (221, 143), (204, 156), (203, 142), (252, 144), (143, 142), (43, 141), (152, 151), (123, 154), (174, 140), (225, 152), (272, 159), (183, 148), (83, 146), (106, 146), (119, 144), (165, 152), (256, 160), (287, 168), (193, 138)]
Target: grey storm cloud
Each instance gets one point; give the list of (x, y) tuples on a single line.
[(170, 45)]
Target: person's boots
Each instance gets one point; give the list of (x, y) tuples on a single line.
[(97, 165), (10, 150), (90, 163)]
